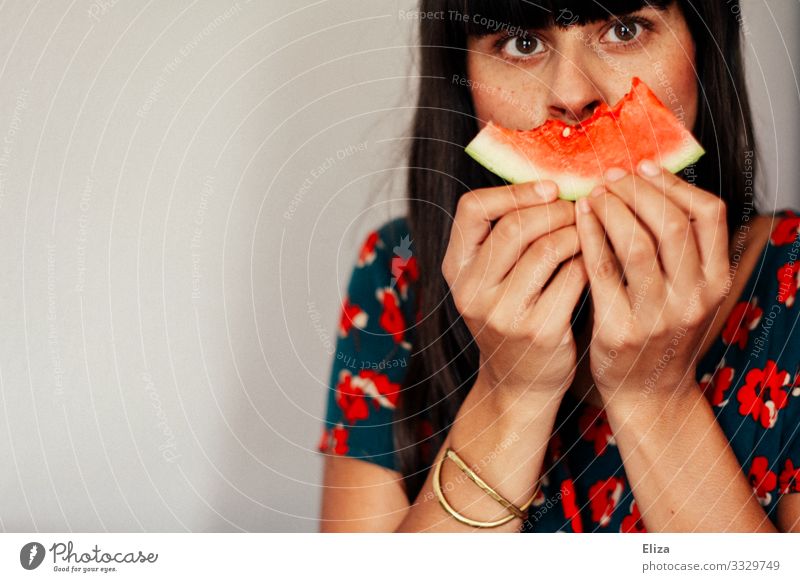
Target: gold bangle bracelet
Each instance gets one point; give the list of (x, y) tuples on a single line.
[(437, 488), (517, 511)]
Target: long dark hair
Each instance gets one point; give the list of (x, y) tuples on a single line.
[(445, 361)]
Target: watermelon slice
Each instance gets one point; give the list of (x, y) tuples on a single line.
[(638, 127)]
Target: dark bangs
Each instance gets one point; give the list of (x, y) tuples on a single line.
[(483, 17)]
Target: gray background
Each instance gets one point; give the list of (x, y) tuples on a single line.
[(183, 189)]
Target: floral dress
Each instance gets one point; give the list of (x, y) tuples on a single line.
[(750, 376)]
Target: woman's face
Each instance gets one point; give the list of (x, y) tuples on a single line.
[(565, 73)]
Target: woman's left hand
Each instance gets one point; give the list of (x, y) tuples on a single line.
[(670, 241)]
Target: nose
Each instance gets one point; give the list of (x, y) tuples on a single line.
[(573, 94)]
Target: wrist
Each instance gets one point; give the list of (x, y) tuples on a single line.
[(652, 401), (517, 401)]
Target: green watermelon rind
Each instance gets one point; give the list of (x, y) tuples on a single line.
[(515, 168), (683, 158)]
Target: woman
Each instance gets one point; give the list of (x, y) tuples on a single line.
[(626, 363)]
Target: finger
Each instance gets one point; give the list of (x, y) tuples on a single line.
[(668, 224), (524, 283), (609, 296), (512, 236), (707, 214), (477, 210), (557, 302), (633, 245)]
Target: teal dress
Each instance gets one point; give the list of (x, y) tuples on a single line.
[(750, 376)]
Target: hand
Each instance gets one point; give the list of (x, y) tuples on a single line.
[(670, 245), (497, 277)]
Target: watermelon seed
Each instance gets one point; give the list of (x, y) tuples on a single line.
[(566, 132)]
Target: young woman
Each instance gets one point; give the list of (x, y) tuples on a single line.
[(626, 363)]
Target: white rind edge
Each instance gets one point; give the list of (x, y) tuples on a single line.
[(514, 167)]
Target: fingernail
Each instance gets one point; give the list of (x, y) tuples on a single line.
[(648, 168), (546, 190), (583, 205), (597, 190), (614, 174)]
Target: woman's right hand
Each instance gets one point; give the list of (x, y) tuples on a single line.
[(497, 277)]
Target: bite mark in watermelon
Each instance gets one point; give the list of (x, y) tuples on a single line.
[(638, 127)]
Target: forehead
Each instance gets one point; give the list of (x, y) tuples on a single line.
[(482, 17)]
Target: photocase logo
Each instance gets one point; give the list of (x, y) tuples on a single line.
[(31, 555), (403, 254)]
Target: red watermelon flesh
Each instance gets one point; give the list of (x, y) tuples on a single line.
[(638, 127)]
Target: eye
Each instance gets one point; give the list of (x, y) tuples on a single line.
[(520, 47), (624, 31)]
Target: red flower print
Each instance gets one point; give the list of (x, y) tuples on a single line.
[(790, 478), (392, 319), (762, 480), (334, 441), (788, 276), (352, 392), (763, 394), (594, 427), (569, 501), (744, 317), (383, 391), (350, 398), (603, 498), (786, 230), (367, 253), (405, 271), (352, 315), (715, 385), (632, 523)]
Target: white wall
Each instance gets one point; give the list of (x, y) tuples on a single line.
[(773, 67), (160, 367)]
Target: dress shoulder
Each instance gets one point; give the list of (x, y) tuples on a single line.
[(373, 345)]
